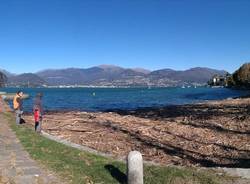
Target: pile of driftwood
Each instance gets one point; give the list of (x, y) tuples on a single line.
[(211, 134)]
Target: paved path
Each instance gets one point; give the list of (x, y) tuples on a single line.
[(16, 166)]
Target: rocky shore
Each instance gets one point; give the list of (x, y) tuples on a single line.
[(215, 133)]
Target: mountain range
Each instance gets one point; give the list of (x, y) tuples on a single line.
[(109, 75)]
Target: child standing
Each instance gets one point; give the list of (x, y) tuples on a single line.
[(37, 119), (38, 112)]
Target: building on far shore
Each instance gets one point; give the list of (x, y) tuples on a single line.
[(218, 80)]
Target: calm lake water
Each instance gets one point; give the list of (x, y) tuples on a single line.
[(100, 99)]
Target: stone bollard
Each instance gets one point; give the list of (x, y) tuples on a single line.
[(135, 168)]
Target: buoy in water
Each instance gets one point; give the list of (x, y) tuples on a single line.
[(93, 94)]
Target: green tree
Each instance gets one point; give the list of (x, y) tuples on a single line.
[(241, 77), (3, 79)]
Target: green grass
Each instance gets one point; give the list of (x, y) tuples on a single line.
[(81, 167)]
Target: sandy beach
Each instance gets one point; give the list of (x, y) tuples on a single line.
[(216, 133)]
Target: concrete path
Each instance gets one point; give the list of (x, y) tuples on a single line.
[(16, 166)]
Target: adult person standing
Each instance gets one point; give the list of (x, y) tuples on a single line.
[(38, 112), (18, 106)]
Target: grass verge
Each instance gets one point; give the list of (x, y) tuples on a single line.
[(78, 167)]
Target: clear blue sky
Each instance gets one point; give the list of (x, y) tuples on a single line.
[(153, 34)]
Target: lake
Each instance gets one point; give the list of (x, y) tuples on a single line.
[(102, 99)]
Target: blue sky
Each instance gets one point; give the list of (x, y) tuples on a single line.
[(153, 34)]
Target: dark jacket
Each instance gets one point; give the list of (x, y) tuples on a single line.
[(38, 105)]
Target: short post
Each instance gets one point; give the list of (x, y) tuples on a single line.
[(135, 168)]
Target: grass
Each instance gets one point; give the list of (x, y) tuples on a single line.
[(78, 167)]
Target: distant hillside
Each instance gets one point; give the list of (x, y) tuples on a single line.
[(109, 75), (141, 70), (91, 76), (6, 73), (118, 68), (26, 80), (195, 76)]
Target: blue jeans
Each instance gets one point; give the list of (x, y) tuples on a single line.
[(38, 125), (18, 116)]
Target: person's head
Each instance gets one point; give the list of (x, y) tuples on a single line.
[(39, 95), (19, 93)]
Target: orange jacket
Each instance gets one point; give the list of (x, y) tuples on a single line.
[(17, 102)]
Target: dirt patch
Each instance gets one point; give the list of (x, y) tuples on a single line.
[(208, 134)]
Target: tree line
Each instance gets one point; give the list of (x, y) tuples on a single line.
[(3, 79), (240, 78)]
